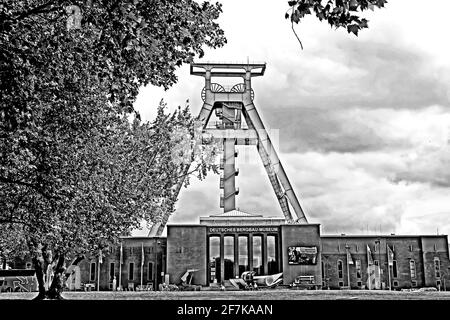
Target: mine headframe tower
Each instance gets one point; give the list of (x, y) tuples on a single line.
[(230, 106)]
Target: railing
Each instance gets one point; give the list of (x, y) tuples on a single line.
[(221, 125)]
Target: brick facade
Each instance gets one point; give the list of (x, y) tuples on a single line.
[(422, 250), (418, 260), (186, 247), (154, 256), (300, 236)]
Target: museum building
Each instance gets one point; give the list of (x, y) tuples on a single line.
[(221, 247)]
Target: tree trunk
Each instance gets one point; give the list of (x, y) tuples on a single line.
[(38, 266), (57, 285), (54, 292)]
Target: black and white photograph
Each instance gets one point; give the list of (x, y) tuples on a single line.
[(237, 151)]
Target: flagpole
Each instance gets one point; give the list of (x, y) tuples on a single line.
[(348, 267), (389, 265), (368, 268), (378, 244), (120, 267), (142, 265), (98, 275)]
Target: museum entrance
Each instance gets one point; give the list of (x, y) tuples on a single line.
[(231, 252)]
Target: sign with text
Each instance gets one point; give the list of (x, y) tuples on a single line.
[(241, 229), (302, 255)]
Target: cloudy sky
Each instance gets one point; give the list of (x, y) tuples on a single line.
[(362, 123)]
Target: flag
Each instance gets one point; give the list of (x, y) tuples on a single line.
[(142, 265), (349, 257), (142, 261), (369, 256), (371, 277), (121, 253), (390, 256), (100, 257)]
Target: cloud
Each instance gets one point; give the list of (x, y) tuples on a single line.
[(429, 165), (341, 192), (350, 74), (359, 130), (304, 129), (363, 122)]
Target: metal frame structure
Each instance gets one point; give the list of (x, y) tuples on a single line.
[(231, 105)]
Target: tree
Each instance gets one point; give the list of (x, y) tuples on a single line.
[(74, 173), (106, 187), (338, 13)]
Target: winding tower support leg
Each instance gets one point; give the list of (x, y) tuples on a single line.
[(273, 166)]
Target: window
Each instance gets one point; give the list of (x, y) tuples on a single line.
[(340, 267), (341, 283), (414, 283), (257, 255), (357, 248), (214, 259), (395, 283), (411, 248), (131, 271), (28, 265), (437, 267), (438, 283), (323, 270), (358, 268), (412, 268), (111, 271), (394, 268), (228, 252), (272, 263), (243, 254), (92, 271), (150, 271), (376, 262), (359, 283)]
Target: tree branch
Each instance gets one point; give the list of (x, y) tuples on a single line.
[(292, 25), (36, 10), (13, 221), (189, 172), (29, 185)]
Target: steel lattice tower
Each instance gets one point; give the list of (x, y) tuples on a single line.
[(231, 105)]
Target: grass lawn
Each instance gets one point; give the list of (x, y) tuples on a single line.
[(280, 294)]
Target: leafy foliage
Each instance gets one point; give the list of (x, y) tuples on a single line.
[(338, 13), (77, 168)]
